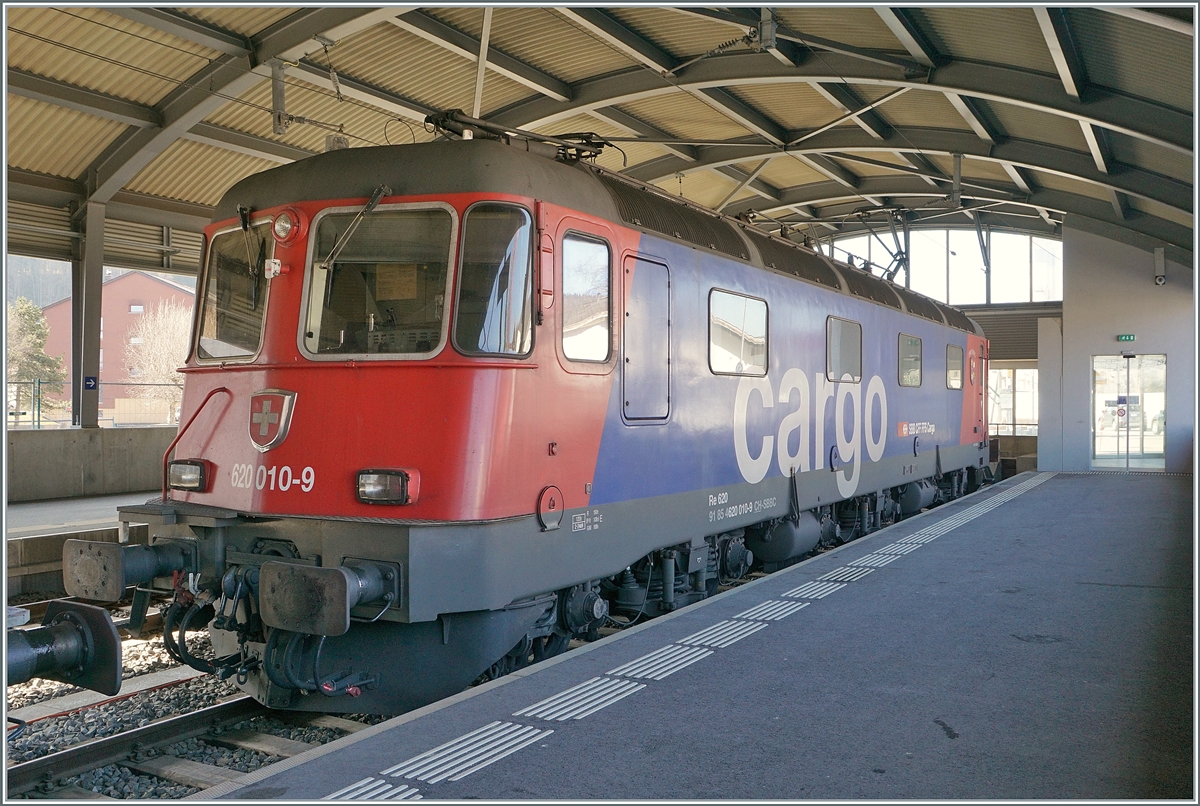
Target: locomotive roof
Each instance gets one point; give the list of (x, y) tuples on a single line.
[(489, 166), (474, 166)]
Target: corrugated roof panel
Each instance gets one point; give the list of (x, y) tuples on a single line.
[(861, 27), (997, 35), (796, 105), (787, 172), (396, 60), (1133, 151), (1030, 124), (195, 172), (127, 243), (1161, 210), (703, 187), (189, 245), (678, 33), (1135, 58), (684, 115), (241, 20), (1056, 182), (55, 140), (40, 231), (865, 169), (919, 108), (363, 124), (92, 48), (541, 38)]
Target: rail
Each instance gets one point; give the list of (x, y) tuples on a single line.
[(44, 771)]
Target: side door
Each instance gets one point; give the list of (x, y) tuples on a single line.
[(646, 342)]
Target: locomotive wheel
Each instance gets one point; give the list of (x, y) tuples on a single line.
[(549, 646)]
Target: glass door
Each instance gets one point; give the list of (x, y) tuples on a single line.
[(1128, 411)]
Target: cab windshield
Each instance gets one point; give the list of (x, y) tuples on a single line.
[(386, 292), (234, 300)]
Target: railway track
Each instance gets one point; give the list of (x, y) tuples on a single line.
[(146, 750)]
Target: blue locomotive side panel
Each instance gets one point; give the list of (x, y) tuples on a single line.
[(731, 430)]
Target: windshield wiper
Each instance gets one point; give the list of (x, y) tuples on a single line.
[(380, 192)]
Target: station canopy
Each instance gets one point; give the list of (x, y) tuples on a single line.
[(817, 120)]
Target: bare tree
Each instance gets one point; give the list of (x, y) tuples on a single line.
[(157, 347)]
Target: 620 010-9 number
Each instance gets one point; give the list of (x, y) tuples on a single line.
[(274, 478)]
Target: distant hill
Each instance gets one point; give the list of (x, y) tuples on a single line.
[(44, 281), (39, 280)]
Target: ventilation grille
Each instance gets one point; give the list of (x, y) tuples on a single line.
[(793, 260), (648, 210), (919, 305), (867, 286), (956, 318)]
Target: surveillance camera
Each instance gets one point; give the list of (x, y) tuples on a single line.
[(1160, 279)]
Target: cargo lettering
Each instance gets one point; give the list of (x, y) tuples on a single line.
[(854, 412)]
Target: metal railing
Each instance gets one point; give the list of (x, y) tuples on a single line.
[(38, 404)]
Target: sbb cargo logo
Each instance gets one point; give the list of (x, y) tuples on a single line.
[(913, 429)]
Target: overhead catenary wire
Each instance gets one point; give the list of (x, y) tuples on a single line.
[(197, 85)]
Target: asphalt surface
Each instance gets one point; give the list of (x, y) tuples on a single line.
[(68, 514), (1036, 648)]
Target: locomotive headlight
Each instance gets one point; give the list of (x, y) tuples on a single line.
[(191, 475), (288, 226), (283, 226), (388, 486)]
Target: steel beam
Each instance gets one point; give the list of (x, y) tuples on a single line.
[(847, 100), (81, 99), (108, 107), (747, 180), (972, 111), (613, 32), (210, 88), (53, 191), (248, 144), (433, 30), (186, 28), (360, 90), (1136, 117), (1020, 153), (1064, 49), (640, 128), (904, 27), (749, 117), (93, 279), (1097, 142), (824, 194)]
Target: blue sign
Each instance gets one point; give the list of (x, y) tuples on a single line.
[(90, 382)]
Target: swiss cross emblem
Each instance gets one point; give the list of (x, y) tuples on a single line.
[(270, 416)]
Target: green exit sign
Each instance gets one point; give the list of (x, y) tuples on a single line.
[(1125, 337)]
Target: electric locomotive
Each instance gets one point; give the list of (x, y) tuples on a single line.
[(449, 405)]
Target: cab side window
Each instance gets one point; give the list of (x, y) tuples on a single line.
[(737, 334), (586, 294), (909, 360), (843, 350), (954, 367)]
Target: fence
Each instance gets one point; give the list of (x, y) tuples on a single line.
[(37, 404)]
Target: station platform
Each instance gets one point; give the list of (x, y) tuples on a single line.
[(34, 518), (1034, 640)]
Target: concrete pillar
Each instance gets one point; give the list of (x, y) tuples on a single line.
[(1050, 413), (92, 280), (76, 324)]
